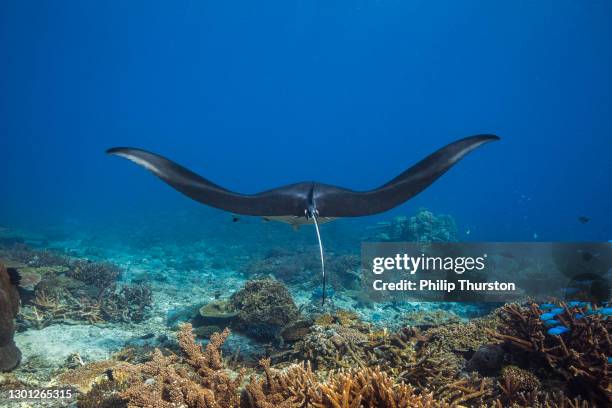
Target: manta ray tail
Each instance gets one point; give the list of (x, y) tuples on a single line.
[(316, 224)]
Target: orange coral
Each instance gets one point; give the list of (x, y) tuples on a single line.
[(297, 387), (166, 383)]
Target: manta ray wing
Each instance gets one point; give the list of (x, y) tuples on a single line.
[(284, 201), (334, 201)]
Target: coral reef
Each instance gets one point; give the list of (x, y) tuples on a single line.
[(83, 291), (264, 307), (332, 347), (198, 379), (579, 354), (302, 269), (85, 376), (128, 303), (100, 275), (395, 370), (9, 306), (425, 227), (297, 386), (34, 258)]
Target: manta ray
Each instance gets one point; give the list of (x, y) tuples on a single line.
[(308, 202)]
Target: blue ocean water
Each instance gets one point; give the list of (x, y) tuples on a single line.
[(253, 96)]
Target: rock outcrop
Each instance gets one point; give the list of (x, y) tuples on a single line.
[(9, 305)]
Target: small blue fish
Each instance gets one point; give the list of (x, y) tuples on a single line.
[(575, 303), (546, 306), (547, 316), (609, 360), (557, 311), (551, 323), (556, 331), (607, 311), (579, 316)]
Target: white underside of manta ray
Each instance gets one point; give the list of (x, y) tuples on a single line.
[(308, 202)]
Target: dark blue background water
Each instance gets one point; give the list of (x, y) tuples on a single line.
[(254, 96)]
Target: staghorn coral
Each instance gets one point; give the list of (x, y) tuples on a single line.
[(370, 387), (100, 275), (297, 386), (59, 307), (199, 378), (429, 368), (129, 303), (58, 298), (86, 375), (203, 383), (463, 337), (579, 356), (264, 307), (284, 389)]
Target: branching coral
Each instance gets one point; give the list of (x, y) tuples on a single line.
[(86, 375), (98, 274), (580, 356), (129, 303), (32, 257), (58, 298), (297, 386), (60, 307), (203, 383)]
